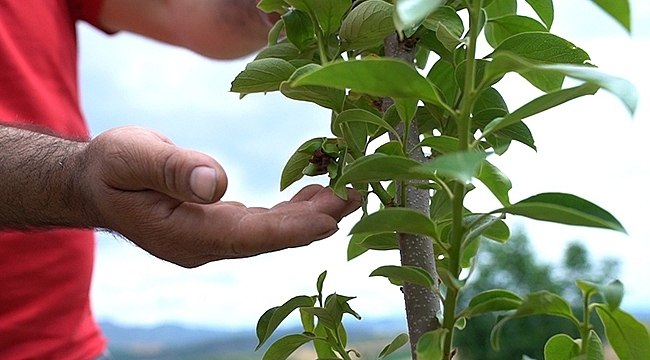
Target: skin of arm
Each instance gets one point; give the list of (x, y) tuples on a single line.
[(219, 29), (163, 198)]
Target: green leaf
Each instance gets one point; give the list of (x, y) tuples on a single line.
[(319, 283), (410, 13), (500, 8), (561, 347), (383, 241), (391, 148), (411, 274), (540, 104), (299, 28), (595, 350), (367, 25), (544, 9), (270, 6), (323, 347), (538, 303), (406, 108), (496, 181), (284, 50), (499, 29), (376, 167), (628, 337), (543, 48), (354, 246), (612, 292), (326, 97), (262, 75), (491, 301), (564, 209), (401, 220), (273, 317), (491, 227), (447, 17), (361, 115), (307, 321), (461, 166), (292, 171), (374, 76), (430, 345), (442, 76), (285, 346), (442, 144), (619, 10), (399, 341), (329, 14)]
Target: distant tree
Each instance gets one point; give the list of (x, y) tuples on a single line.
[(515, 267)]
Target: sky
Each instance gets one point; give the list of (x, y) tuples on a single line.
[(590, 147)]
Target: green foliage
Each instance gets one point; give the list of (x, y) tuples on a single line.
[(364, 61)]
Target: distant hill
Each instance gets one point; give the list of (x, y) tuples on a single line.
[(176, 342)]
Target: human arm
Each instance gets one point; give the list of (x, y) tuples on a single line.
[(136, 182), (220, 29)]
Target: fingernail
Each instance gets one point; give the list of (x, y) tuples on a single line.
[(203, 182)]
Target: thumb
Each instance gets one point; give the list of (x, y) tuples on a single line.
[(190, 176), (138, 159)]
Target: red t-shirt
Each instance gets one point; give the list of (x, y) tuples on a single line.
[(45, 276)]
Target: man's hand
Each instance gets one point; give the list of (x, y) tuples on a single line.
[(165, 199)]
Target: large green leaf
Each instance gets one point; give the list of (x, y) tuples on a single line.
[(564, 209), (623, 89), (401, 220), (329, 14), (561, 347), (274, 316), (383, 241), (328, 97), (262, 75), (367, 25), (461, 166), (410, 13), (543, 48), (354, 246), (617, 9), (499, 29), (544, 9), (628, 337), (410, 274), (377, 167), (491, 301), (373, 76), (285, 346)]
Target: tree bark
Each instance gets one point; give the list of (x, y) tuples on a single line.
[(422, 304)]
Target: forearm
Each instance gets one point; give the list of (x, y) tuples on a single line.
[(220, 29), (40, 181)]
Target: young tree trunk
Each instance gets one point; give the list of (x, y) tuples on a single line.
[(422, 304)]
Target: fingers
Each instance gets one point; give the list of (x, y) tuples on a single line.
[(142, 159)]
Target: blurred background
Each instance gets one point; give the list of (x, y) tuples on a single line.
[(590, 147)]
